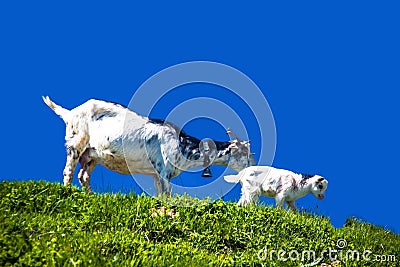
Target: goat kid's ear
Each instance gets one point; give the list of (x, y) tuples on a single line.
[(226, 152), (320, 179), (233, 146)]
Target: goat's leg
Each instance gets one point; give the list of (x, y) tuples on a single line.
[(158, 166), (83, 161), (163, 185), (84, 175), (70, 165), (87, 166), (165, 181), (75, 148), (162, 180), (156, 179), (164, 166), (80, 175)]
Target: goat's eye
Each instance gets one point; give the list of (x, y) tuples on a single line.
[(320, 186)]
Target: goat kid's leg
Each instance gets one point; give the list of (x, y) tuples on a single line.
[(244, 200), (249, 196), (279, 201), (291, 205), (247, 200)]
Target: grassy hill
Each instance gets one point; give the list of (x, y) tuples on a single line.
[(49, 224)]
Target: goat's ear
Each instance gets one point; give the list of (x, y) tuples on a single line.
[(245, 144), (231, 133), (320, 179)]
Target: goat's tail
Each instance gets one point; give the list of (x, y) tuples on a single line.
[(59, 110), (232, 178)]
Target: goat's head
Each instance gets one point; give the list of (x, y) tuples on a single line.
[(240, 156)]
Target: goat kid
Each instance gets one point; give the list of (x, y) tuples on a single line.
[(100, 132), (283, 185)]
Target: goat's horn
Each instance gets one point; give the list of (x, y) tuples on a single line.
[(229, 131)]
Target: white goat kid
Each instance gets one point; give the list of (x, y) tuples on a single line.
[(283, 185), (100, 132)]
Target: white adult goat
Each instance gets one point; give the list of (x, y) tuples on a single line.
[(100, 132)]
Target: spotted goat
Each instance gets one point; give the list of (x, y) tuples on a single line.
[(283, 185), (109, 134)]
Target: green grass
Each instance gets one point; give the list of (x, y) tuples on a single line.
[(49, 224)]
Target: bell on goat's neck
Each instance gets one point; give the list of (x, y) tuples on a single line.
[(206, 172), (207, 147)]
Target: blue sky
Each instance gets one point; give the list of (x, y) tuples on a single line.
[(329, 71)]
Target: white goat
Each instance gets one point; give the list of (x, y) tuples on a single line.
[(100, 132), (283, 185)]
